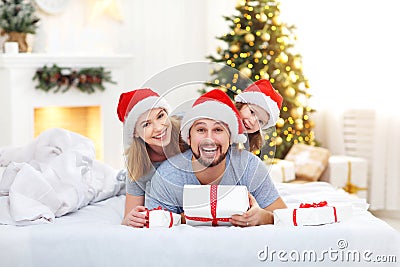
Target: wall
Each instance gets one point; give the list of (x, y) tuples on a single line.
[(158, 33)]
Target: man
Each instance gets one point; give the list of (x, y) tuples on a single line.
[(210, 128)]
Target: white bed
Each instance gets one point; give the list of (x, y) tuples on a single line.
[(93, 236)]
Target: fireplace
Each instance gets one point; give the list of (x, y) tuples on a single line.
[(25, 112), (83, 120)]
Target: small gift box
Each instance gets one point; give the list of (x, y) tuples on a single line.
[(309, 161), (311, 214), (162, 218), (281, 171), (213, 204), (349, 173)]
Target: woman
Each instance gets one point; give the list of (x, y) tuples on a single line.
[(150, 137), (259, 107)]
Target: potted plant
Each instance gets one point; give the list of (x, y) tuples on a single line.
[(17, 19)]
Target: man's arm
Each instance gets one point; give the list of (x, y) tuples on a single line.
[(257, 215)]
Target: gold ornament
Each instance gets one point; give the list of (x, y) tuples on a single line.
[(301, 100), (263, 17), (296, 112), (299, 124), (297, 63), (249, 38), (246, 72), (219, 49), (257, 54), (240, 4), (234, 48), (265, 37), (283, 57), (280, 123), (239, 31), (293, 76), (265, 75), (290, 92), (276, 20), (278, 140)]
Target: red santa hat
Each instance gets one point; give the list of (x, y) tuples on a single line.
[(262, 94), (133, 104), (218, 106)]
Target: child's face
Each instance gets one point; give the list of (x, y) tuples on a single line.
[(253, 117)]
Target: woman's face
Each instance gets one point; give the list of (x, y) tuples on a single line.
[(154, 127), (253, 117)]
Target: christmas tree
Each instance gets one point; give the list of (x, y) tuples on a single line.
[(261, 46)]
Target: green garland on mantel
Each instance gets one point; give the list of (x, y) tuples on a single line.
[(86, 80)]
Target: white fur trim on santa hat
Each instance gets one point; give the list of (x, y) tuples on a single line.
[(140, 108), (216, 111), (263, 101)]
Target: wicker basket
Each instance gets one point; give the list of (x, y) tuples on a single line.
[(20, 38)]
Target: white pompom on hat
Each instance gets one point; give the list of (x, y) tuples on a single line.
[(262, 94), (215, 105), (133, 104)]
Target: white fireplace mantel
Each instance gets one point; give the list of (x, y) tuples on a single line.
[(37, 60), (18, 97)]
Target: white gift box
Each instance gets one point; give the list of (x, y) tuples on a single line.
[(281, 171), (213, 204), (311, 216), (162, 218), (349, 173)]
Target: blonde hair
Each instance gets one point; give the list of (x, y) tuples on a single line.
[(137, 159), (255, 139)]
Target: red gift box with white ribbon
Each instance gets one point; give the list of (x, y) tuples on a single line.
[(161, 218), (213, 204), (312, 214)]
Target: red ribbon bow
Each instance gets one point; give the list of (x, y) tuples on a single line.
[(313, 205), (171, 221), (213, 203)]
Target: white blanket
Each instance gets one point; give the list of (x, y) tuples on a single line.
[(53, 175)]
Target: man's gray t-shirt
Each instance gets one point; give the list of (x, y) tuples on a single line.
[(242, 168)]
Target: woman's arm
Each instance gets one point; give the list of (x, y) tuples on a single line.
[(131, 202), (133, 207)]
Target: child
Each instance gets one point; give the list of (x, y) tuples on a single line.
[(259, 107)]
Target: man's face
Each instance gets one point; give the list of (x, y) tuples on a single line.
[(209, 141)]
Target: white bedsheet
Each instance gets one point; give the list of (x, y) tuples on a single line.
[(93, 236)]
